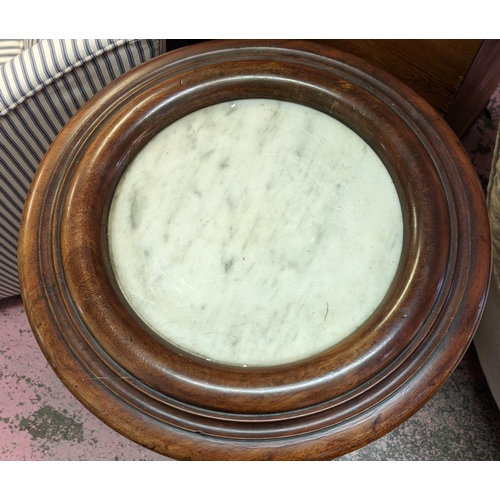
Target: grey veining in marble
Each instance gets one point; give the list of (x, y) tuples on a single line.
[(255, 232)]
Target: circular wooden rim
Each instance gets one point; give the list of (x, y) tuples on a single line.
[(321, 407)]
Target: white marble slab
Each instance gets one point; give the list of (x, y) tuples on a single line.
[(255, 232)]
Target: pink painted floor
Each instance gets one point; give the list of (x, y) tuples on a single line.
[(41, 420)]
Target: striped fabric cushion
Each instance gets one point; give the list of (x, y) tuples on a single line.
[(40, 90), (10, 49)]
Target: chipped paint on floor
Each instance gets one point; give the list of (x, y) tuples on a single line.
[(39, 418)]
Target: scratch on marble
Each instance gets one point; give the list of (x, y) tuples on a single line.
[(140, 296), (292, 157), (194, 290), (251, 231), (223, 333), (325, 137), (149, 278), (317, 140), (311, 273)]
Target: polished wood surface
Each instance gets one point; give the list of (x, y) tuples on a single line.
[(189, 408), (435, 69), (457, 77), (477, 88)]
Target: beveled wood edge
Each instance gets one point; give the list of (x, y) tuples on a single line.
[(80, 189)]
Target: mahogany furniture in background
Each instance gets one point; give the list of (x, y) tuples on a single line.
[(457, 77), (187, 407)]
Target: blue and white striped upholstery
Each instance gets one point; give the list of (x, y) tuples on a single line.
[(10, 49), (43, 83)]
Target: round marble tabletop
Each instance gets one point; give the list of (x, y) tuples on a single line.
[(296, 279), (255, 232)]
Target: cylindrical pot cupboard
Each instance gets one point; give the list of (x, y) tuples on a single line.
[(253, 251)]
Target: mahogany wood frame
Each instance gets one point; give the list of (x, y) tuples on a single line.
[(319, 408)]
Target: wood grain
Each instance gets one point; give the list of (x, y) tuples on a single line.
[(457, 77), (435, 69), (319, 408), (476, 89)]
